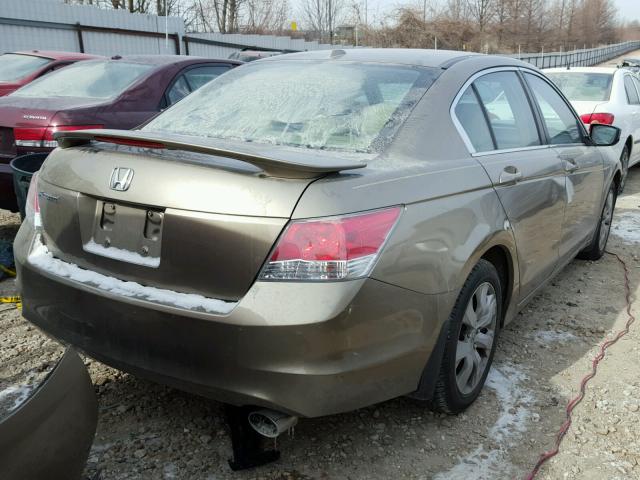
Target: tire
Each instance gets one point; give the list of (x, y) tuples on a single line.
[(595, 249), (624, 163), (452, 393)]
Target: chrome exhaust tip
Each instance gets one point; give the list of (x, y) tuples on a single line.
[(271, 423)]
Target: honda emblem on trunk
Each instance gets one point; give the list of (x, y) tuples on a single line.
[(121, 179)]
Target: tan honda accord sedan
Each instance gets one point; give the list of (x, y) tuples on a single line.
[(317, 232)]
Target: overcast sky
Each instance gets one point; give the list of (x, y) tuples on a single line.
[(629, 9)]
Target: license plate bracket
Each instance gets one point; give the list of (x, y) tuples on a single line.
[(126, 233)]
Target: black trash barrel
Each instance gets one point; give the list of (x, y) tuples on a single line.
[(23, 168)]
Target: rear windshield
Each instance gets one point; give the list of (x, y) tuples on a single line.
[(14, 66), (582, 86), (89, 79), (313, 104)]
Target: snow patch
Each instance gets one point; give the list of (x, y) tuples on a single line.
[(120, 254), (514, 398), (626, 226), (16, 394), (550, 336), (508, 383), (42, 258)]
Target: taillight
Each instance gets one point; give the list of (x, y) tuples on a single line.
[(32, 208), (604, 118), (43, 136), (335, 248)]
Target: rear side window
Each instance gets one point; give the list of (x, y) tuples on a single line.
[(632, 94), (178, 90), (191, 80), (508, 110), (583, 87), (562, 125), (197, 77), (470, 115)]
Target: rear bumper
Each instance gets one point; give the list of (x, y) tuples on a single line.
[(8, 199), (306, 348)]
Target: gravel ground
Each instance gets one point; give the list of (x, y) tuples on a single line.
[(148, 431)]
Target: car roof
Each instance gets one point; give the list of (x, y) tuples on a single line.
[(161, 60), (581, 70), (55, 55), (402, 56)]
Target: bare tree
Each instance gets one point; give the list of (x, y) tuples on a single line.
[(482, 12), (265, 16), (322, 17)]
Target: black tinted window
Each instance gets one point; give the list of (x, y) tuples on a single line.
[(469, 114), (562, 125), (632, 94), (509, 112)]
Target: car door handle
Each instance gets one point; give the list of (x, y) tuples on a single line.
[(570, 164), (509, 175)]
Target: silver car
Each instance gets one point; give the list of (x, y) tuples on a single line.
[(317, 232)]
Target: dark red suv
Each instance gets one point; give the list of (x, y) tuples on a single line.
[(120, 92), (19, 68)]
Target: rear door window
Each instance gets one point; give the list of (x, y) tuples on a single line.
[(510, 116), (562, 125), (632, 93), (469, 113)]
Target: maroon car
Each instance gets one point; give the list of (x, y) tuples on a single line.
[(120, 92), (19, 68)]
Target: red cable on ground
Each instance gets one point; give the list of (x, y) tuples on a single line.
[(583, 383)]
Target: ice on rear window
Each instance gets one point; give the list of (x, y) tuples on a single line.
[(89, 79), (14, 66), (320, 105), (583, 87), (42, 258)]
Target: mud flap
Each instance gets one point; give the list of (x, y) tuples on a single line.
[(431, 370)]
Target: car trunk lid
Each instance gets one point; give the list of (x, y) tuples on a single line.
[(586, 107), (178, 220)]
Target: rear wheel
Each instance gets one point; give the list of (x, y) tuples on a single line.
[(471, 340), (595, 249), (624, 163)]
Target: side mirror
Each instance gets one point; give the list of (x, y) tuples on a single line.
[(604, 135)]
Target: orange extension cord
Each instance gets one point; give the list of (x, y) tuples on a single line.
[(583, 383)]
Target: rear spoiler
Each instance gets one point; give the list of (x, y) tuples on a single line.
[(274, 161)]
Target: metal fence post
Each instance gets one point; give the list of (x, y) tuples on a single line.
[(80, 39)]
